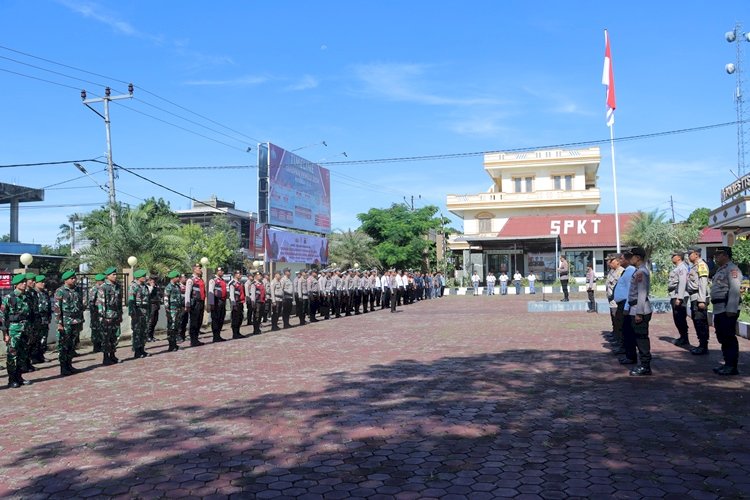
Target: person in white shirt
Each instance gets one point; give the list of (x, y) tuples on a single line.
[(401, 282), (475, 283), (385, 281), (491, 283), (503, 283), (517, 277), (532, 279)]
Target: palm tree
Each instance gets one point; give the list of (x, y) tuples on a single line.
[(153, 238), (68, 231), (349, 247), (653, 232)]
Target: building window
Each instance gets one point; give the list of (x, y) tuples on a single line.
[(517, 184), (529, 184), (567, 179), (485, 225)]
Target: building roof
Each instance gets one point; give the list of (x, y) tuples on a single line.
[(575, 231), (710, 236)]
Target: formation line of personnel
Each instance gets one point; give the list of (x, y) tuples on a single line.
[(312, 296)]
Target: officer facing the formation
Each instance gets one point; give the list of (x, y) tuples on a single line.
[(173, 306), (195, 295), (237, 297), (42, 318), (725, 295), (277, 297), (69, 314), (677, 288), (155, 299), (217, 303), (697, 288), (96, 324), (109, 302), (287, 289), (640, 310), (139, 305), (16, 315)]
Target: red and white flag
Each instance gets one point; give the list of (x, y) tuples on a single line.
[(608, 79)]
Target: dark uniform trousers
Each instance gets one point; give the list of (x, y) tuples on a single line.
[(618, 319), (250, 311), (302, 309), (184, 321), (218, 313), (258, 309), (336, 302), (628, 335), (374, 298), (393, 298), (357, 300), (237, 316), (726, 327), (679, 315), (325, 305), (700, 323), (641, 339), (365, 299), (275, 313), (386, 298), (345, 303), (196, 318), (286, 310), (314, 305)]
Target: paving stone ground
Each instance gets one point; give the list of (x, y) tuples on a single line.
[(462, 397)]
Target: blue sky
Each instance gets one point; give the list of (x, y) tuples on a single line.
[(373, 79)]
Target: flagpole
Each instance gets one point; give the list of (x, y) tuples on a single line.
[(614, 182)]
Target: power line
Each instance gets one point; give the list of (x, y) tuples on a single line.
[(40, 79), (43, 163), (50, 61), (449, 156)]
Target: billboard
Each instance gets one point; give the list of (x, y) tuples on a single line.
[(286, 246), (295, 192)]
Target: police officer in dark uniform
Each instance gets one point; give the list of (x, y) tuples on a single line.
[(195, 295), (725, 295)]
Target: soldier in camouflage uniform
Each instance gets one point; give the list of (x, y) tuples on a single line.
[(174, 303), (29, 333), (156, 297), (69, 314), (16, 314), (42, 317), (96, 324), (109, 302), (138, 308)]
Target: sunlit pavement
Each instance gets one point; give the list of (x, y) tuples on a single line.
[(467, 397)]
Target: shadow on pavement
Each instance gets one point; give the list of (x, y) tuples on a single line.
[(521, 421)]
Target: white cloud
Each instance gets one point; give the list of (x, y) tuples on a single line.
[(92, 10), (479, 126), (240, 81), (406, 83), (306, 83), (557, 102)]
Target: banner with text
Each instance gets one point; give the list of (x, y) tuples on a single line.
[(299, 192), (285, 246)]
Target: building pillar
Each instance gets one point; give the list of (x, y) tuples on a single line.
[(14, 220)]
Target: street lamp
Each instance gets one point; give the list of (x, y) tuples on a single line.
[(204, 261), (737, 36), (132, 260), (26, 260)]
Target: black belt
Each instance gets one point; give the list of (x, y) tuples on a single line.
[(719, 301)]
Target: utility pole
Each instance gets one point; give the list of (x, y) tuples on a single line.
[(671, 203), (110, 164), (406, 202)]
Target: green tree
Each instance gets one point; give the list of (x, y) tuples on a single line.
[(699, 217), (349, 247), (402, 235), (153, 238), (741, 252), (219, 243)]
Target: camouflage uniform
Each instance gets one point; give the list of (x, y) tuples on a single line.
[(69, 314), (16, 318), (138, 309), (174, 305), (41, 325), (96, 324), (109, 304)]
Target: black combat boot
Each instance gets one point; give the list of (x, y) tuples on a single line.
[(73, 369), (97, 348), (12, 380), (64, 370), (107, 360), (640, 371)]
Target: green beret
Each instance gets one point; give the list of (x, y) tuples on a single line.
[(40, 277), (140, 273), (100, 277), (18, 278), (67, 274), (110, 270), (30, 276), (173, 274)]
